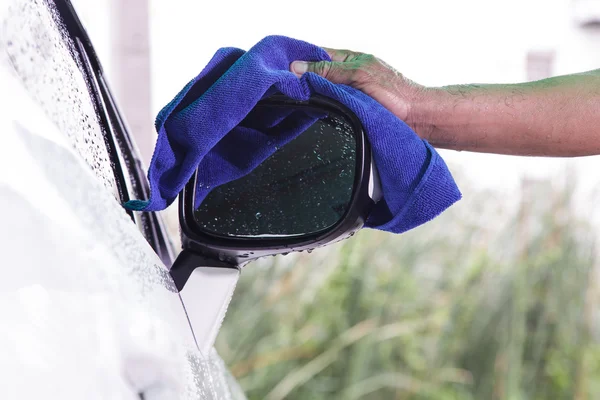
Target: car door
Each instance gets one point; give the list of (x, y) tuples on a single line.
[(89, 309)]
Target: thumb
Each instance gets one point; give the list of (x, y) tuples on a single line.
[(336, 72)]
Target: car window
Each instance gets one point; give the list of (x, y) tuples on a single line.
[(57, 66), (37, 47)]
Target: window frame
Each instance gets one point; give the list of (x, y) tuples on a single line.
[(124, 157)]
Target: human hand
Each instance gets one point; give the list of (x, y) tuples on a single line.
[(370, 75)]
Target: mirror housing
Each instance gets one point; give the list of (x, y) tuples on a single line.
[(205, 248)]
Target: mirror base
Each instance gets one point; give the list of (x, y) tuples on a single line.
[(188, 261)]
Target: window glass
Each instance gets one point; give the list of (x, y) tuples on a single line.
[(38, 49)]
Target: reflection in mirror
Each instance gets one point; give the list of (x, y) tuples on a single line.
[(303, 187)]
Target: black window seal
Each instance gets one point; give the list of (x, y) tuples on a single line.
[(118, 141)]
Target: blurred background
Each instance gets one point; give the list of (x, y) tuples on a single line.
[(496, 299)]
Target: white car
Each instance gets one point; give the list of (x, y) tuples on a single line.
[(94, 303), (88, 308)]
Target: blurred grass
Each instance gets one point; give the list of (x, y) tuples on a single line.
[(492, 300)]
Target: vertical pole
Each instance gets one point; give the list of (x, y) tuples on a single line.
[(130, 44)]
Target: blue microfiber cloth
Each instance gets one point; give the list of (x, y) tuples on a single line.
[(211, 126)]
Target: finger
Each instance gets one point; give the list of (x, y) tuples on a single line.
[(340, 55), (336, 72), (299, 67)]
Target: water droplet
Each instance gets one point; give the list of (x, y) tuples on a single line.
[(309, 251), (257, 215), (221, 257)]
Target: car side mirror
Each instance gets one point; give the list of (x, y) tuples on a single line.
[(316, 189), (309, 182)]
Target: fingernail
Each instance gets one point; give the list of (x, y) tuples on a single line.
[(299, 67)]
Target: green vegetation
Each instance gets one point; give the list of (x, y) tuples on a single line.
[(489, 301)]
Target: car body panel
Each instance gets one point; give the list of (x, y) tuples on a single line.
[(88, 308)]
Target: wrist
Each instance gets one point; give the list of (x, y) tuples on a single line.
[(424, 110)]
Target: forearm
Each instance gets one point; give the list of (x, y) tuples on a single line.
[(554, 117)]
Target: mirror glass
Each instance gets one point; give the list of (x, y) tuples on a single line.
[(303, 186)]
